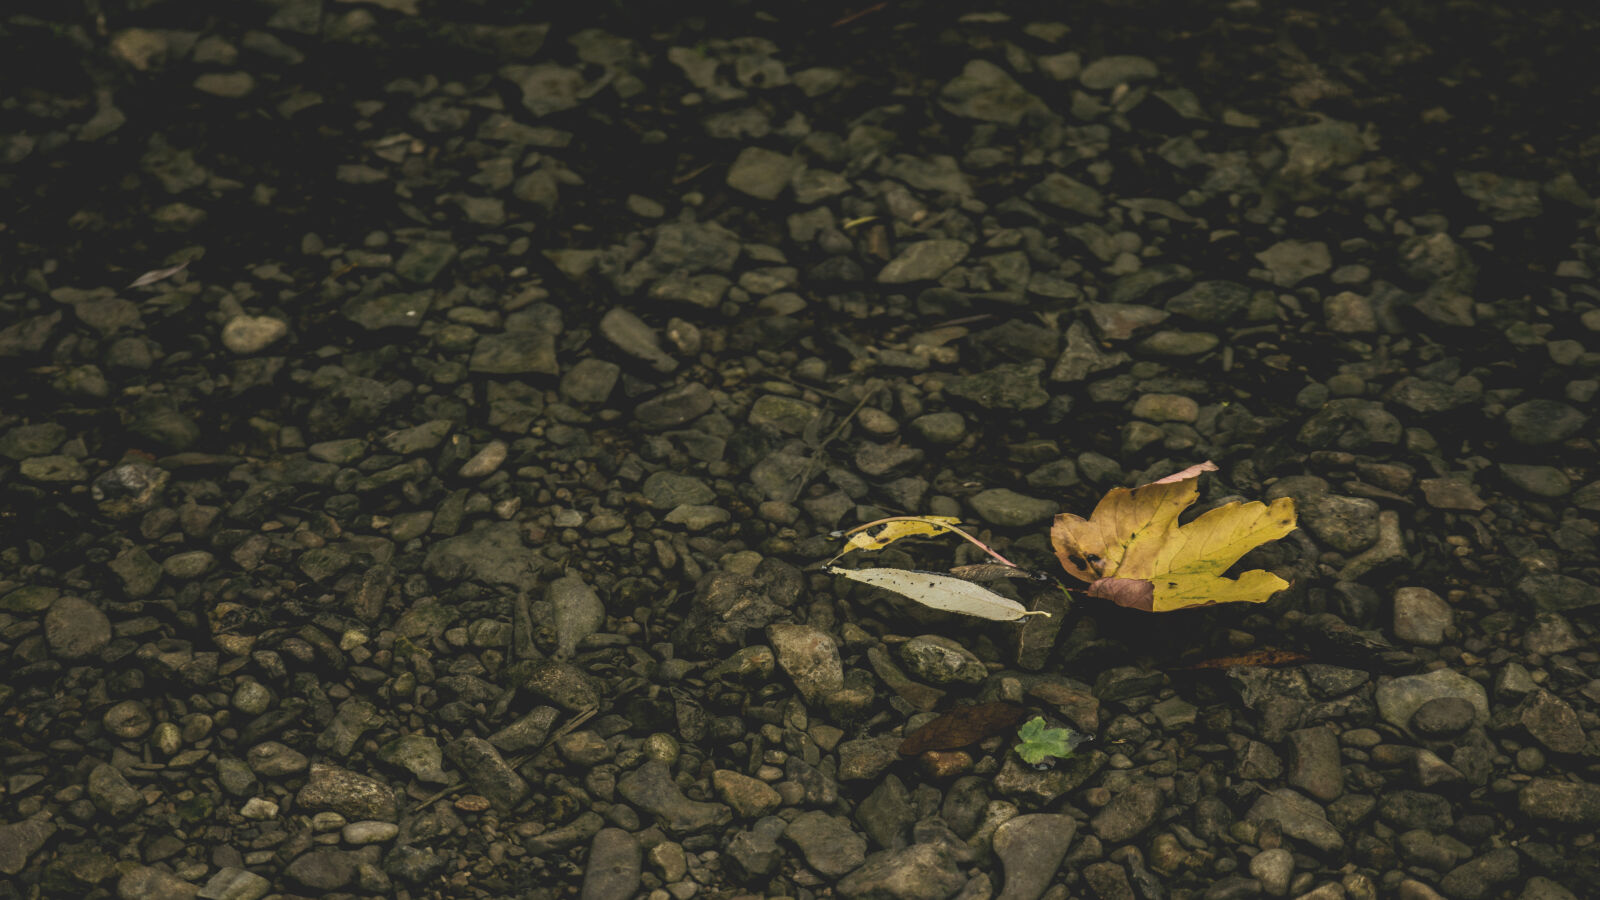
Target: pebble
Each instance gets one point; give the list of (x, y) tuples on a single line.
[(1274, 869), (75, 628), (1031, 848), (750, 798), (762, 173), (923, 261), (615, 865), (913, 873), (1008, 509), (1421, 616), (245, 335), (830, 846), (651, 788), (937, 659), (809, 657), (1399, 698)]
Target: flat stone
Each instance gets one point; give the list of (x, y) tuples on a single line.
[(75, 628), (762, 173), (1302, 819), (1031, 848), (252, 334), (615, 865), (651, 788), (829, 844), (1399, 698), (923, 261)]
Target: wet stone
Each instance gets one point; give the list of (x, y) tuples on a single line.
[(754, 853), (1406, 809), (665, 490), (1211, 302), (1560, 802), (20, 840), (577, 610), (1482, 877), (1421, 616), (350, 794), (322, 870), (675, 407), (1130, 812), (867, 758), (487, 773), (615, 864), (1273, 868), (1443, 717), (75, 628), (590, 381), (424, 260), (515, 353), (1552, 722), (127, 719), (1549, 634), (233, 883), (940, 660), (918, 872), (1037, 788), (810, 657), (1399, 698), (1031, 848), (1540, 481), (1109, 881), (1109, 71), (353, 719), (923, 261), (111, 793), (1012, 386), (651, 788), (984, 91), (630, 334), (1290, 262), (1540, 422), (1302, 819), (762, 173), (750, 798), (1555, 592), (149, 883), (559, 682), (1315, 763), (358, 834), (1009, 509), (830, 845)]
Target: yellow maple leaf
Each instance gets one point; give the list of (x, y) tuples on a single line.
[(1133, 552)]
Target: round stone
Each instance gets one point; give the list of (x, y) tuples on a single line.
[(128, 720), (75, 628), (252, 334)]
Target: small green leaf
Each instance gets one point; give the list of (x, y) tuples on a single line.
[(1040, 743)]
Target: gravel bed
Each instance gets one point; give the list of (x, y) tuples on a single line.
[(423, 422)]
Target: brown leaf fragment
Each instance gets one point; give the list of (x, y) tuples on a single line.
[(1133, 593), (963, 727), (981, 572), (1267, 656)]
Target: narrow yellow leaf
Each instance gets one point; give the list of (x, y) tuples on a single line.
[(882, 534)]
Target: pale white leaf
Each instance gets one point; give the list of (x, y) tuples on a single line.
[(941, 592), (155, 275)]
